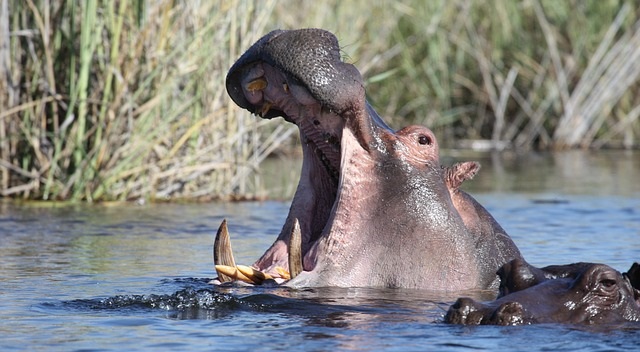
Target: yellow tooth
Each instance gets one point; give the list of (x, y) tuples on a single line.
[(233, 273), (295, 249), (283, 273), (229, 271), (285, 87), (256, 276), (265, 108), (257, 84), (222, 253)]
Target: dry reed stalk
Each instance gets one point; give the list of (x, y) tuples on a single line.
[(6, 86), (611, 71), (151, 115)]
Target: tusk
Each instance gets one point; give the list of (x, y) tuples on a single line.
[(222, 253), (256, 276), (295, 250), (265, 108), (257, 84), (285, 87), (233, 273)]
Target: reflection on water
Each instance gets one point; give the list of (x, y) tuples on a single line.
[(602, 172), (570, 172), (136, 277)]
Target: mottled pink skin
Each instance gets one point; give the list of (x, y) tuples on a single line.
[(375, 206), (393, 223), (490, 238), (580, 293)]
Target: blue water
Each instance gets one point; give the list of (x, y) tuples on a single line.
[(128, 277)]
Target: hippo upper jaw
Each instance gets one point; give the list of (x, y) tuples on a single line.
[(307, 57)]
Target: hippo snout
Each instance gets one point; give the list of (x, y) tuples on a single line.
[(464, 311), (509, 313), (467, 311)]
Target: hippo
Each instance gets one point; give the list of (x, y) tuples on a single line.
[(579, 293), (373, 207)]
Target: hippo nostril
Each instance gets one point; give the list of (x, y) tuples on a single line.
[(510, 313), (424, 140), (464, 311)]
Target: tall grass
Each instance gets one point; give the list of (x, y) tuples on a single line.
[(116, 100), (104, 100), (525, 74)]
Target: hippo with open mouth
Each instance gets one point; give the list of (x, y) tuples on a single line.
[(374, 207), (579, 293)]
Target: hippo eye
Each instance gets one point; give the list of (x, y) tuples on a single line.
[(608, 283), (422, 139)]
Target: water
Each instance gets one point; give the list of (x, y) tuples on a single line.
[(135, 277)]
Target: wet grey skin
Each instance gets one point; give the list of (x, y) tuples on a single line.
[(375, 207), (580, 293)]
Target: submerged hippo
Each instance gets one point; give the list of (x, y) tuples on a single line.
[(373, 207), (580, 293)]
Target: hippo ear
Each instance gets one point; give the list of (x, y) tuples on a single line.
[(634, 275), (636, 296), (460, 172), (517, 275)]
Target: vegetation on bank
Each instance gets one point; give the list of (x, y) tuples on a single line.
[(104, 100)]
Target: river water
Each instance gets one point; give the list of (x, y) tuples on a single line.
[(131, 277)]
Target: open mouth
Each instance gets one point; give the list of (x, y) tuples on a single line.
[(321, 132), (270, 90)]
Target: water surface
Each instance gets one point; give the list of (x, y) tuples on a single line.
[(135, 277)]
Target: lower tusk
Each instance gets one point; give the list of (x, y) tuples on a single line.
[(256, 276), (233, 273), (222, 253), (257, 84), (295, 250), (265, 108)]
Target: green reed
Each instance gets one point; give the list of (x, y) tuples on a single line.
[(525, 74)]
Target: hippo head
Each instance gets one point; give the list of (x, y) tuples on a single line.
[(372, 207), (581, 293)]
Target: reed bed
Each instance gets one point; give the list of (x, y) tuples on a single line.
[(126, 100), (103, 100)]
